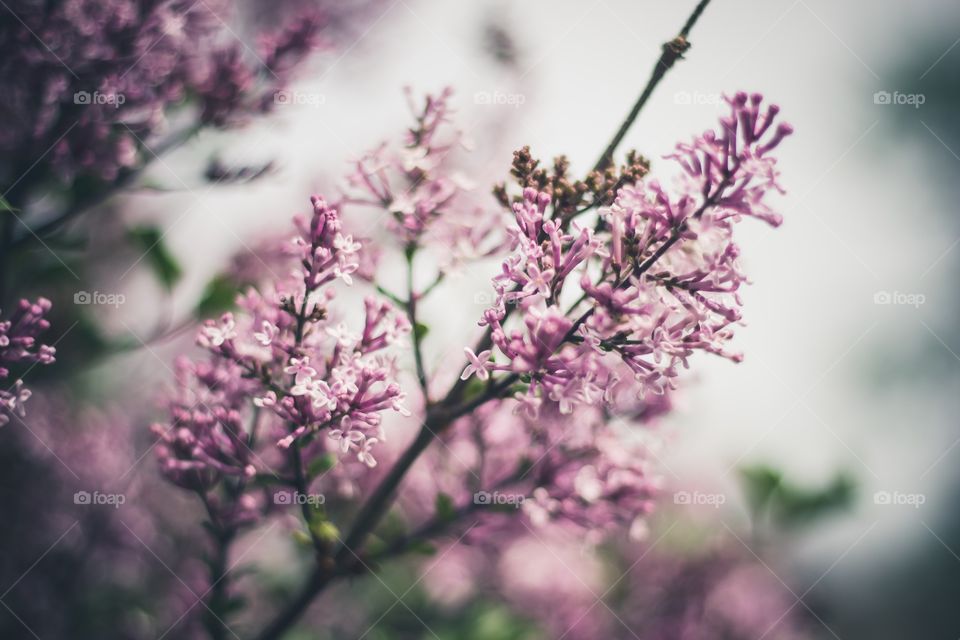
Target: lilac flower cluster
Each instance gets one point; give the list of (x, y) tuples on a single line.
[(580, 475), (284, 355), (92, 80), (69, 449), (595, 487), (716, 591), (608, 316), (19, 345), (591, 325), (206, 437), (658, 283), (427, 201)]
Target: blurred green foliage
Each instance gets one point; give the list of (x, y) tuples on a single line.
[(161, 261), (770, 494)]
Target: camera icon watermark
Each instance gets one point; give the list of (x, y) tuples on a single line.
[(899, 298), (486, 498), (698, 498), (499, 98), (286, 97), (99, 298), (286, 498), (896, 498), (96, 97), (87, 498), (915, 100)]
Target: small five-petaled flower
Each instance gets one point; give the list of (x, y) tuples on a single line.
[(478, 364)]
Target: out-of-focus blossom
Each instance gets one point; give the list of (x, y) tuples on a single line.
[(579, 476), (660, 594), (77, 495), (19, 346), (426, 201), (91, 82)]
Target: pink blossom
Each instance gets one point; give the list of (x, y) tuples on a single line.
[(285, 354), (478, 364), (658, 284), (364, 455), (428, 201), (19, 346)]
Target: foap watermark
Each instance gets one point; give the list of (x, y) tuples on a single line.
[(484, 298), (99, 298), (485, 498), (97, 97), (899, 499), (489, 299), (899, 298), (499, 98), (97, 498), (287, 498), (696, 98), (286, 97), (898, 98), (699, 498)]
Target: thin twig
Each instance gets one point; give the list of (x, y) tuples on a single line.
[(672, 51), (415, 333)]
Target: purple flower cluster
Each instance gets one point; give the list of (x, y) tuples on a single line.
[(594, 316), (583, 475), (19, 346), (656, 285), (285, 356), (92, 80), (206, 437), (426, 201), (714, 591)]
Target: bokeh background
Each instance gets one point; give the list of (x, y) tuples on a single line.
[(847, 399)]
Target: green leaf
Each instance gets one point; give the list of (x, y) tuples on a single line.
[(796, 504), (767, 491), (165, 267), (420, 331), (423, 548), (394, 297), (759, 485), (219, 295), (445, 508), (322, 464), (375, 546), (474, 389), (520, 387)]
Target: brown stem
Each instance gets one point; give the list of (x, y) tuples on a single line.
[(292, 612), (222, 537), (382, 497)]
